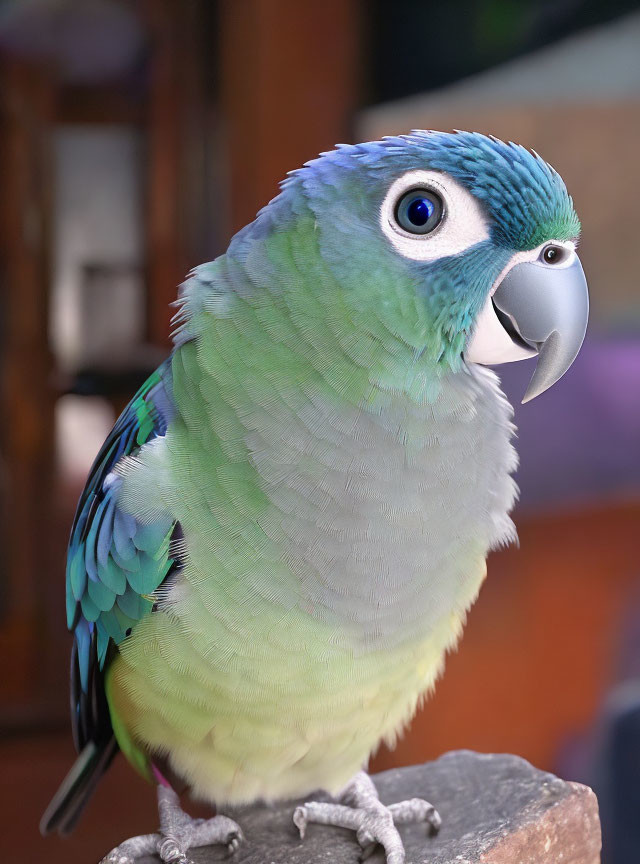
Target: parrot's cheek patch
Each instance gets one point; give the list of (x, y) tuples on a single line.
[(491, 343)]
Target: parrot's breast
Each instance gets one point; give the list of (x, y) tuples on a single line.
[(385, 516), (317, 601)]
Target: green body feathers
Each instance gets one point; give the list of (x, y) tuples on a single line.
[(306, 456)]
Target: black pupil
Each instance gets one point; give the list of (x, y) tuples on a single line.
[(420, 211), (551, 254)]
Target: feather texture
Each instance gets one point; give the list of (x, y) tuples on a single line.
[(114, 562), (338, 494)]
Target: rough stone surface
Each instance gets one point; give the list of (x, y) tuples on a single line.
[(496, 809)]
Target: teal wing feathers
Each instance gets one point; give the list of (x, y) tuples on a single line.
[(114, 563)]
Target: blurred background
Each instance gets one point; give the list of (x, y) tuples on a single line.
[(135, 138)]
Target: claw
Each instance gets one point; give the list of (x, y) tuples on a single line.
[(435, 822), (364, 837), (300, 820), (233, 842), (367, 843), (367, 851)]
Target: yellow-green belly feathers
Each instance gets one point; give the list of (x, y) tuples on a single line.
[(273, 721)]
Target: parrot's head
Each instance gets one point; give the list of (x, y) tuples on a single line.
[(459, 244)]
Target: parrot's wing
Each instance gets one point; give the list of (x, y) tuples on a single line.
[(114, 563)]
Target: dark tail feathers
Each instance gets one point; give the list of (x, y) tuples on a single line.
[(75, 790)]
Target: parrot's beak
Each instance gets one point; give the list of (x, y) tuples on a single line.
[(547, 307), (538, 308)]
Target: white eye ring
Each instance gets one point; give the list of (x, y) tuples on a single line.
[(463, 221)]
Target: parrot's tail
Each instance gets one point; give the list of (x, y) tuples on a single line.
[(75, 790)]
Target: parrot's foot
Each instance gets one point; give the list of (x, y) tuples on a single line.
[(178, 833), (361, 810)]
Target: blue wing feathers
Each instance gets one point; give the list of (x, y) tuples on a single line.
[(114, 563), (114, 566)]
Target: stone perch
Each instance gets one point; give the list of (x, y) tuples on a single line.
[(496, 809)]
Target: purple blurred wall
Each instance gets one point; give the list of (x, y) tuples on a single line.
[(580, 441)]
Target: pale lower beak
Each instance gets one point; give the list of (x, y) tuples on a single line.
[(538, 309)]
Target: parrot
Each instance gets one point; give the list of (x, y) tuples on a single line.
[(282, 535)]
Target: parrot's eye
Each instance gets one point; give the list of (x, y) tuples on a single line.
[(419, 211), (427, 215), (552, 254)]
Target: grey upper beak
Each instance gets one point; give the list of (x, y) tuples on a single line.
[(548, 307)]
